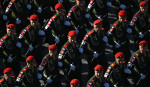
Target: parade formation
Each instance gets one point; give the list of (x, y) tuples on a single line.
[(43, 43)]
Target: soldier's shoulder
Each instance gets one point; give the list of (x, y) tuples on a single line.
[(90, 82), (1, 80), (54, 16), (90, 32), (137, 13), (46, 57), (73, 8), (112, 65), (66, 45), (116, 23), (24, 69)]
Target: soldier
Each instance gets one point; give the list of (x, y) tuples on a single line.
[(34, 36), (74, 83), (8, 79), (99, 10), (98, 79), (118, 73), (28, 76), (94, 46), (141, 22), (50, 66), (118, 35), (140, 63), (69, 56), (79, 18), (58, 25), (11, 49)]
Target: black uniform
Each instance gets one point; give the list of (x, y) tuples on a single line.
[(4, 83)]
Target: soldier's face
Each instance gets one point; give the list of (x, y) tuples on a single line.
[(71, 39), (30, 64), (52, 53), (119, 60), (98, 73), (122, 18), (34, 22), (7, 76), (10, 32), (144, 8), (143, 49), (60, 11), (97, 27), (80, 3)]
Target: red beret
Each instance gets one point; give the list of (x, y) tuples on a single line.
[(8, 70), (119, 54), (58, 5), (143, 43), (11, 26), (34, 17), (30, 58), (97, 22), (98, 67), (52, 47), (143, 3), (122, 12), (74, 82), (72, 33)]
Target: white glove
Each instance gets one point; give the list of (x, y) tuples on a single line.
[(77, 31), (60, 64), (149, 20), (56, 40), (105, 39), (18, 21), (95, 55), (141, 35), (5, 17), (99, 18), (109, 4), (39, 10), (128, 71), (40, 68), (10, 59), (18, 44), (129, 65), (142, 76), (129, 30), (80, 50), (117, 45), (41, 32), (60, 1), (30, 48), (106, 84), (87, 15), (72, 67), (115, 86), (122, 6), (29, 6), (49, 80), (39, 76), (67, 23)]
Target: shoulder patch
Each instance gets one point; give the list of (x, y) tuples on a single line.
[(66, 45), (90, 32), (115, 24), (112, 65)]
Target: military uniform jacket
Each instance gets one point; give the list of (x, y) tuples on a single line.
[(118, 33), (116, 75), (93, 41), (141, 62), (57, 27), (27, 78), (77, 16), (8, 46), (141, 22), (4, 83), (95, 82), (31, 36), (69, 54), (49, 66), (99, 6)]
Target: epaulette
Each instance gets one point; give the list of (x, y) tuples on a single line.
[(112, 28), (112, 65), (52, 18), (133, 58), (1, 80), (66, 45), (72, 9), (45, 60), (24, 31), (90, 32), (90, 82), (135, 18), (2, 40)]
